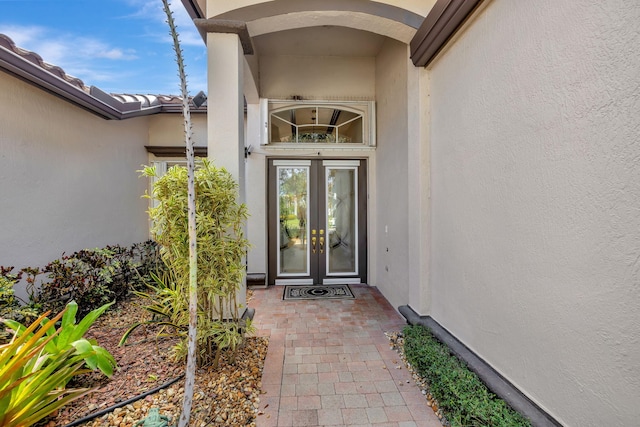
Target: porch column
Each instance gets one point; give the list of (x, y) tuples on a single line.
[(227, 43), (225, 113), (419, 212)]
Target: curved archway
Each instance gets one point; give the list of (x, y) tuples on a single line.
[(359, 21), (411, 16)]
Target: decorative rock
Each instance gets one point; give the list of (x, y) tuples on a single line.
[(226, 396)]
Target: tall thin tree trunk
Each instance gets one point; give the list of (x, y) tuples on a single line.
[(191, 206)]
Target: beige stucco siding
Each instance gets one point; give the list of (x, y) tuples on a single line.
[(536, 201), (314, 77), (391, 210), (68, 179), (168, 130)]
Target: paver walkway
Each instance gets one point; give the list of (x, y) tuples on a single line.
[(330, 364)]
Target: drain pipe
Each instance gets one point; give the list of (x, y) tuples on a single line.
[(494, 381), (124, 403)]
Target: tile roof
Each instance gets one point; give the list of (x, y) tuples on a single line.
[(30, 67), (37, 60)]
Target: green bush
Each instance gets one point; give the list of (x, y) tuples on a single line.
[(221, 247), (71, 337), (463, 397), (91, 277), (11, 307), (32, 381)]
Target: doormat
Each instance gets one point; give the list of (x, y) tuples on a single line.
[(294, 292)]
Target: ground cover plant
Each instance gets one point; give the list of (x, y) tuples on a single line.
[(464, 398)]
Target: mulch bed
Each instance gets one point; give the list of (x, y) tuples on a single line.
[(228, 395)]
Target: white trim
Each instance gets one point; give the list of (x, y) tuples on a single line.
[(314, 149), (292, 163), (264, 120), (332, 163), (344, 281), (294, 282)]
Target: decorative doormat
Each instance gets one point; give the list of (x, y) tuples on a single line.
[(293, 292)]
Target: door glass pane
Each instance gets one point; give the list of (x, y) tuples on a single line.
[(293, 211), (341, 221)]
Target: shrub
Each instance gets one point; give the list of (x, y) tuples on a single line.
[(82, 276), (459, 392), (221, 247), (10, 306), (31, 380), (71, 338), (91, 277)]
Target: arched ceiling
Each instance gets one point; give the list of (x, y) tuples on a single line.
[(315, 27), (355, 20), (396, 19), (251, 10), (320, 41)]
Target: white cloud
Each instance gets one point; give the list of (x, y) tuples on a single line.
[(60, 48), (139, 59), (84, 57), (22, 35), (152, 11)]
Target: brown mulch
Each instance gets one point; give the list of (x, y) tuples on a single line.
[(228, 395)]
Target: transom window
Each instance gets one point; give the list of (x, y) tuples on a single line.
[(319, 123)]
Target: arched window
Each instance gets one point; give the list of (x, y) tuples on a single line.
[(319, 123)]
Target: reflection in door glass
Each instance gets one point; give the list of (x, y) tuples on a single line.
[(293, 188), (341, 220)]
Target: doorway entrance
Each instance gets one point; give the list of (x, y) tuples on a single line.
[(317, 221)]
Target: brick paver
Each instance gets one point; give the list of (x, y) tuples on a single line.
[(329, 363)]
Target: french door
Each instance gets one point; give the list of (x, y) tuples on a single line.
[(317, 221)]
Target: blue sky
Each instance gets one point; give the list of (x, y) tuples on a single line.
[(120, 46)]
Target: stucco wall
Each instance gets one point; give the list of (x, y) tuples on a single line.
[(536, 201), (317, 77), (391, 262), (68, 179), (168, 129)]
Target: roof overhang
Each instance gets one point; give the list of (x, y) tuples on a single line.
[(440, 25), (194, 9), (30, 67)]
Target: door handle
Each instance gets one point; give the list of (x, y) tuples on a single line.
[(321, 241), (313, 241)]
